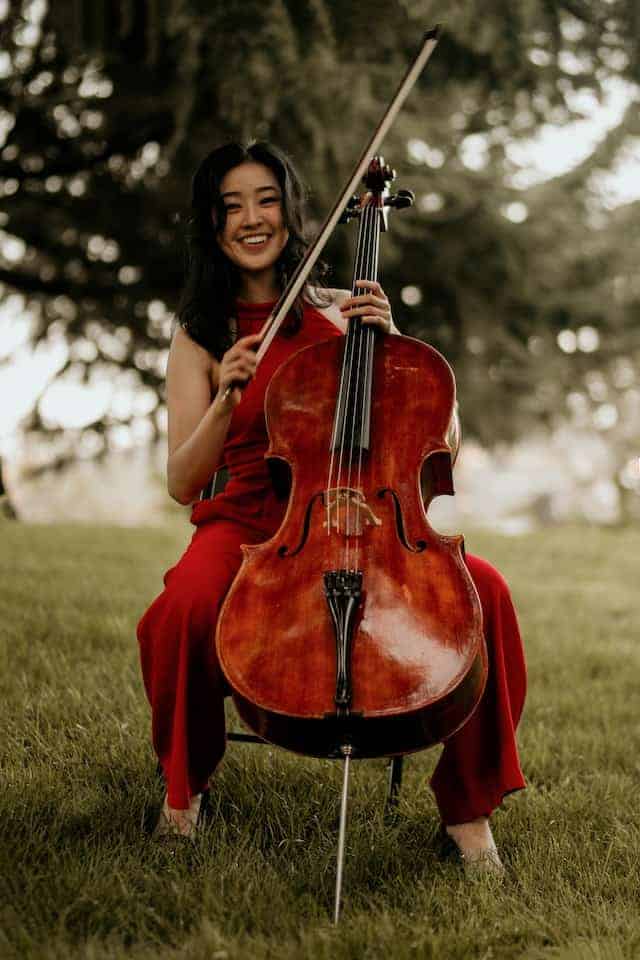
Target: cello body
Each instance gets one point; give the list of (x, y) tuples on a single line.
[(357, 623)]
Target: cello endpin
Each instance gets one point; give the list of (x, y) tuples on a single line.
[(346, 750)]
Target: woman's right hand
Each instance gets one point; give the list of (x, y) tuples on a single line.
[(237, 368)]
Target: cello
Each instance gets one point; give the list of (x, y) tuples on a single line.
[(356, 630)]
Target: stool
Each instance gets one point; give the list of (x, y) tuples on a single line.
[(395, 767)]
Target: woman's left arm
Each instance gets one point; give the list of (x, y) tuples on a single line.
[(373, 307)]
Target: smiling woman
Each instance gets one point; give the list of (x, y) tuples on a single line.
[(246, 237), (241, 195), (254, 228)]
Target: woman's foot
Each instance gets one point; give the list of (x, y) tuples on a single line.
[(178, 823), (476, 846)]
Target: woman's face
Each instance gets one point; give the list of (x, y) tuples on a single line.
[(254, 234)]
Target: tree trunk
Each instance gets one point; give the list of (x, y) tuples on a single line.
[(7, 508)]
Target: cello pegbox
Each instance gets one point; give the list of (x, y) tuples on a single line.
[(378, 176), (377, 179)]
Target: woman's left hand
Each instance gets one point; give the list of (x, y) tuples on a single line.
[(373, 308)]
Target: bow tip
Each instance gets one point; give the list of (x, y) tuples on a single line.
[(434, 34)]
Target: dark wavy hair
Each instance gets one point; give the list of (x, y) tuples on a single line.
[(206, 305)]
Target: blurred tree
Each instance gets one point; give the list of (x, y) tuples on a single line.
[(7, 509), (107, 107)]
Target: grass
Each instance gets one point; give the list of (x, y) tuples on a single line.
[(79, 877)]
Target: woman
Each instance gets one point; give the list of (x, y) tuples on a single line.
[(247, 236)]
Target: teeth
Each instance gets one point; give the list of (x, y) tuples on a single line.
[(255, 240)]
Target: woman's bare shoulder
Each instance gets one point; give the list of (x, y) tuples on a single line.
[(184, 347), (188, 362)]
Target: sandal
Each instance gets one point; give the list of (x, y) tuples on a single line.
[(169, 828), (480, 862)]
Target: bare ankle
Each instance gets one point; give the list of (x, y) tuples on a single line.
[(181, 821), (476, 845), (472, 835)]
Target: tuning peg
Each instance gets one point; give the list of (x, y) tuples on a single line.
[(351, 210), (403, 198)]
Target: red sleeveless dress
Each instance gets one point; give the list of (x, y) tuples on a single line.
[(248, 496), (181, 674)]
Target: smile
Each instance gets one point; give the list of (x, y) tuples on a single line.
[(257, 240)]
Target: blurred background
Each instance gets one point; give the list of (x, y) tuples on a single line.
[(518, 261)]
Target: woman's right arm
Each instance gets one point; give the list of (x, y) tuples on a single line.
[(199, 410)]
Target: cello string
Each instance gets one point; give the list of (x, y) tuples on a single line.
[(366, 334), (358, 273), (357, 421), (368, 241), (362, 269), (370, 267), (347, 441), (346, 380), (339, 412), (342, 411), (344, 455), (343, 432), (369, 338)]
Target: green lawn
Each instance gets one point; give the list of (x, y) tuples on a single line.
[(79, 877)]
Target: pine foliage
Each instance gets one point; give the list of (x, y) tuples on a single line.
[(109, 110)]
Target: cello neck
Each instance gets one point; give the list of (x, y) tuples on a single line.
[(352, 423), (368, 246)]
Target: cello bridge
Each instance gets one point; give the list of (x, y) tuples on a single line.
[(348, 512)]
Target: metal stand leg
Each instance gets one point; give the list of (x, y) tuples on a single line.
[(346, 752), (395, 782)]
